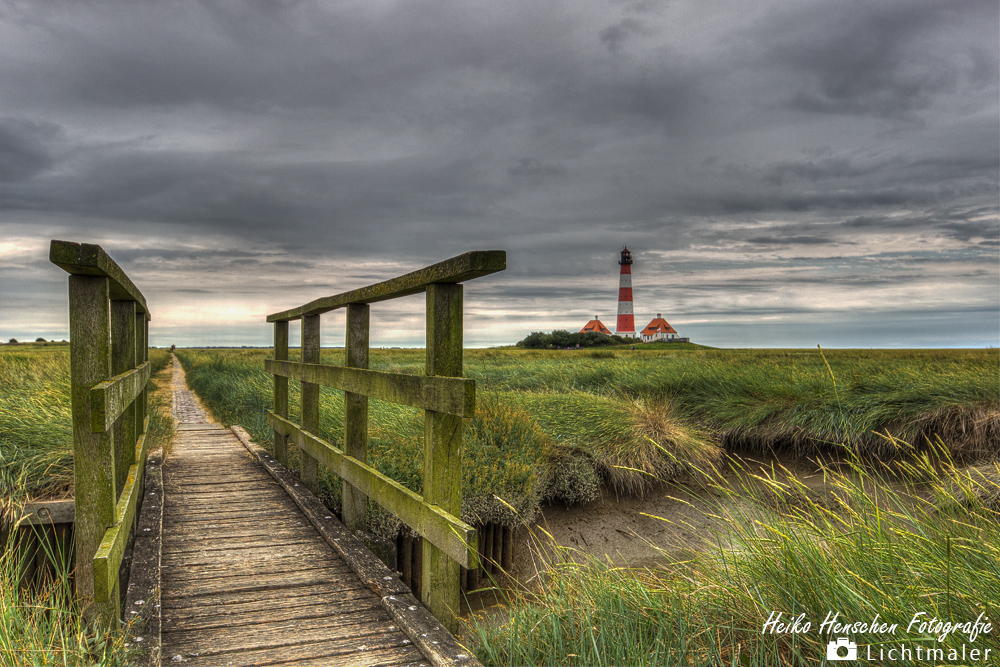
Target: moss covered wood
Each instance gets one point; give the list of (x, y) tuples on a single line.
[(113, 398), (108, 557), (93, 453), (123, 342), (354, 502), (443, 394), (455, 396), (86, 259), (455, 270), (443, 451), (280, 389), (309, 472), (454, 536), (109, 370)]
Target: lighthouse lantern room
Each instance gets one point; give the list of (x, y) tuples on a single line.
[(626, 319)]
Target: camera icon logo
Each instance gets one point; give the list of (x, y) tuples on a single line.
[(842, 648)]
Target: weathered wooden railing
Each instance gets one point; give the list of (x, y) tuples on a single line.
[(444, 395), (109, 370)]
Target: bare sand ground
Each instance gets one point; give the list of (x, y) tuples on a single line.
[(674, 519)]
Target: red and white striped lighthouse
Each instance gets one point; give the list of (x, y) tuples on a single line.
[(626, 320)]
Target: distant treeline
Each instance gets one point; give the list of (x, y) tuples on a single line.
[(561, 338)]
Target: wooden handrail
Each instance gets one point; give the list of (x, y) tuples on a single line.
[(442, 392), (458, 269), (111, 398), (109, 370)]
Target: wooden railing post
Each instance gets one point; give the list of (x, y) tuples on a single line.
[(309, 468), (356, 414), (94, 475), (443, 450), (140, 355), (281, 391), (123, 339)]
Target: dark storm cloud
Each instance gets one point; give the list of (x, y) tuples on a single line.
[(967, 231), (614, 36), (24, 148), (311, 61), (231, 141), (890, 59), (813, 170), (535, 171), (960, 223), (349, 202)]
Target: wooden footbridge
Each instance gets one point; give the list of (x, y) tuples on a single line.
[(234, 561)]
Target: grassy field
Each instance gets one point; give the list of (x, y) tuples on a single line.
[(567, 421), (799, 399)]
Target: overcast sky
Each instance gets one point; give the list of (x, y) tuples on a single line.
[(785, 173)]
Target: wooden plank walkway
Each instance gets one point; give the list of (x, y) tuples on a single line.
[(246, 578)]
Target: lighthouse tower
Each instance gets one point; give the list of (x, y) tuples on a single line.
[(626, 320)]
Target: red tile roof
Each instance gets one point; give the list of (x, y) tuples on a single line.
[(595, 325), (658, 325)]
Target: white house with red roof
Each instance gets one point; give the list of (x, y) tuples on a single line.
[(659, 329), (596, 325)]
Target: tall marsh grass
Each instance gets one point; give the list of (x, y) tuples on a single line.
[(805, 400), (42, 624), (36, 430), (927, 540)]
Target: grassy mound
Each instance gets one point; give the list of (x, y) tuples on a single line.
[(634, 443)]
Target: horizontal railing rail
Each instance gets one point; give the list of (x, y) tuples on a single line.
[(458, 269), (454, 396), (452, 535), (110, 399)]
